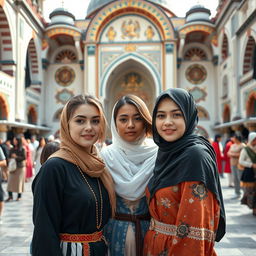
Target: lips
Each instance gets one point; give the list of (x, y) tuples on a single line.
[(88, 136), (130, 133), (169, 131)]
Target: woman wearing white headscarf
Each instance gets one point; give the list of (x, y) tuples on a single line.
[(130, 160), (248, 181)]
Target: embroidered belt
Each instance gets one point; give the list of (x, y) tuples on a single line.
[(85, 239), (135, 219), (182, 231)]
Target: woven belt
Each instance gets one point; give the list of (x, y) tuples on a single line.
[(85, 239), (183, 230), (135, 219)]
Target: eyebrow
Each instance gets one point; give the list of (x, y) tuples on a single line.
[(174, 110), (124, 115), (81, 116)]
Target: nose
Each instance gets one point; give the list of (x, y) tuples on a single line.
[(168, 121), (88, 126), (130, 123)]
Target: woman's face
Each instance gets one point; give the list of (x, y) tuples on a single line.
[(129, 123), (15, 142), (85, 126), (170, 123)]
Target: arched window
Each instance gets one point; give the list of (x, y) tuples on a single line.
[(248, 55), (251, 105), (32, 115), (226, 114), (224, 48), (66, 56), (3, 109), (195, 54)]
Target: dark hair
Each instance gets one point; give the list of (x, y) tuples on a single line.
[(238, 137), (217, 136), (78, 100), (141, 107), (49, 149)]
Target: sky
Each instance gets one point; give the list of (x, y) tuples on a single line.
[(79, 7)]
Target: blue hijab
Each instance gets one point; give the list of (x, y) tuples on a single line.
[(190, 158)]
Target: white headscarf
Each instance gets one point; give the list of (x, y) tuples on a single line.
[(251, 137), (130, 164)]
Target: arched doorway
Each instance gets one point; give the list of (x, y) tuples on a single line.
[(130, 77)]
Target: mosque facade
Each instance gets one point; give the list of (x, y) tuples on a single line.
[(127, 47)]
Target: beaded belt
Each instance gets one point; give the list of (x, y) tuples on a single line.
[(183, 230), (85, 239)]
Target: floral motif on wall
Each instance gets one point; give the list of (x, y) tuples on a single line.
[(64, 76), (63, 96), (196, 74), (198, 94)]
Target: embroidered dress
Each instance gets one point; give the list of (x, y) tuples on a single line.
[(116, 231), (183, 236), (64, 204)]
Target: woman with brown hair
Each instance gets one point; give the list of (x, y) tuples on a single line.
[(73, 192), (130, 160)]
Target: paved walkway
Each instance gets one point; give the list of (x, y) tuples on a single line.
[(240, 240)]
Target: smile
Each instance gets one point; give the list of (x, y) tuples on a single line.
[(88, 136)]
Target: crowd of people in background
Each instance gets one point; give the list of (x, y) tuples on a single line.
[(237, 158), (27, 153)]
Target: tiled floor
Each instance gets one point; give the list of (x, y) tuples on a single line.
[(240, 240)]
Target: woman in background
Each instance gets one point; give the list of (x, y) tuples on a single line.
[(16, 178)]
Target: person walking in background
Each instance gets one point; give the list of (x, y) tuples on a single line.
[(29, 160), (39, 149), (73, 191), (219, 153), (17, 178), (227, 167), (2, 164), (247, 159), (184, 194), (130, 159), (234, 153)]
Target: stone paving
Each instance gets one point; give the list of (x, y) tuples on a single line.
[(240, 240)]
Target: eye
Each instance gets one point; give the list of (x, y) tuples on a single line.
[(122, 120), (177, 115), (80, 121), (160, 116), (95, 121), (139, 118)]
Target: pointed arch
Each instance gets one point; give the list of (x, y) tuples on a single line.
[(131, 56), (224, 47), (248, 55), (6, 48)]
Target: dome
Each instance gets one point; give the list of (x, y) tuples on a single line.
[(96, 4), (61, 15), (198, 13)]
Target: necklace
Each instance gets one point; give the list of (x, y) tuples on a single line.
[(98, 218)]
